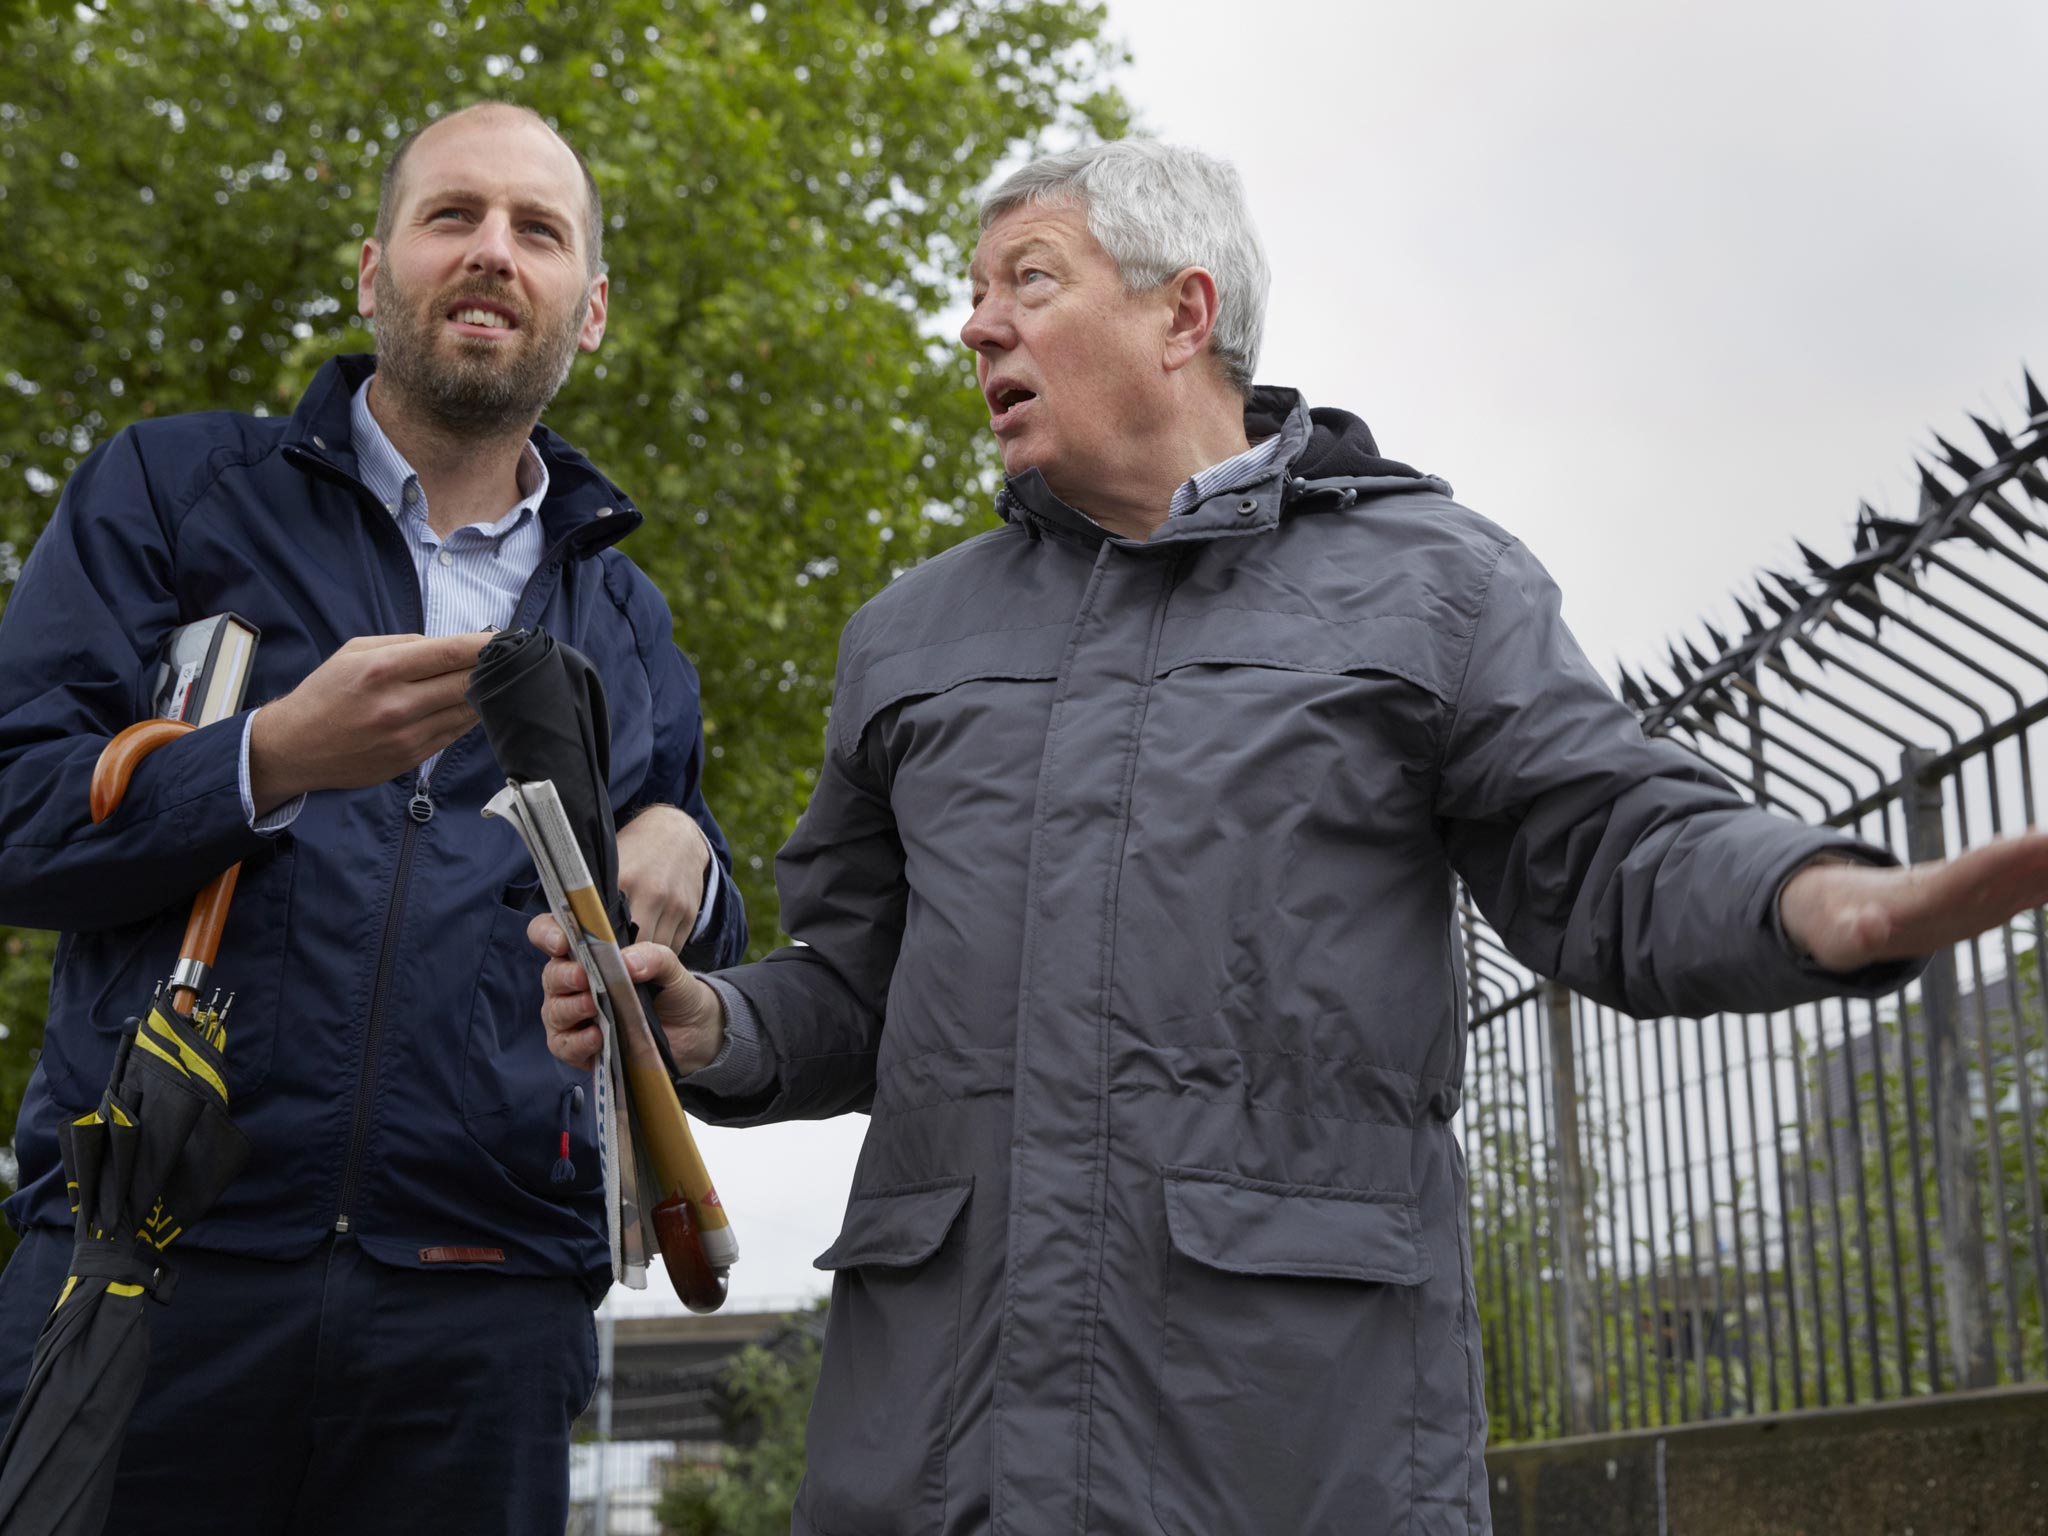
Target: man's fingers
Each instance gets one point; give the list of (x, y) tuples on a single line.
[(563, 978), (576, 1047), (435, 657), (377, 642), (654, 963), (666, 925), (544, 933), (445, 726)]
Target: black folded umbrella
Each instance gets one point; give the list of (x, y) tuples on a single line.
[(149, 1161), (545, 716)]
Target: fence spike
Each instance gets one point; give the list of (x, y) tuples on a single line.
[(1930, 483), (1814, 563), (2037, 405), (1958, 460), (2001, 445), (1720, 640), (1751, 618), (1793, 588), (1979, 535)]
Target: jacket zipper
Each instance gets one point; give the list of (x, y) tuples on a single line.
[(419, 811)]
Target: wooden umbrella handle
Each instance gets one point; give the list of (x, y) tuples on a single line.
[(110, 775), (119, 758)]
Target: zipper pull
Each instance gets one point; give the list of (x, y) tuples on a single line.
[(421, 806)]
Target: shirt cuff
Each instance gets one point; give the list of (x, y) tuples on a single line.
[(712, 877), (743, 1067), (280, 818)]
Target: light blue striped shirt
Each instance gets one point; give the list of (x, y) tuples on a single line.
[(472, 579), (469, 581), (1195, 490)]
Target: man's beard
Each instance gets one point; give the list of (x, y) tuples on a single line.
[(457, 381)]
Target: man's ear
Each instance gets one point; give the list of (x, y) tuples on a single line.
[(1192, 294), (593, 318), (366, 280)]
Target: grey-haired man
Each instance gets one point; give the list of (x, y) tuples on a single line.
[(1127, 900)]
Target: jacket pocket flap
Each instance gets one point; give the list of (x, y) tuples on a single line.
[(896, 1228), (1029, 653), (1409, 646), (1248, 1227)]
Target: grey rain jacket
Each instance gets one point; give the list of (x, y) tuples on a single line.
[(1126, 895)]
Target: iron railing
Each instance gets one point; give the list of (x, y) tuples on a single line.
[(1676, 1220)]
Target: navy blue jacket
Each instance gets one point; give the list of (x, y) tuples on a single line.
[(385, 1051)]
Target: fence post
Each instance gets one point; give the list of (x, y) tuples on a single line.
[(1966, 1283), (1574, 1302)]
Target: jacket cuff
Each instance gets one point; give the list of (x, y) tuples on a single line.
[(743, 1067)]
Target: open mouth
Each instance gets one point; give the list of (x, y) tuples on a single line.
[(1005, 401), (473, 317)]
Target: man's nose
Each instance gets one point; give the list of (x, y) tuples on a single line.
[(490, 248), (986, 327)]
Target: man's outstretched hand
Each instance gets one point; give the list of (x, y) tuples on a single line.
[(1848, 916), (685, 1007)]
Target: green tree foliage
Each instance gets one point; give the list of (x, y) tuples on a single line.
[(789, 196), (750, 1494)]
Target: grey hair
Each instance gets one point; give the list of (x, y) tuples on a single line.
[(1157, 209)]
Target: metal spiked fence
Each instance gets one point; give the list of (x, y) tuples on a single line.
[(1676, 1220)]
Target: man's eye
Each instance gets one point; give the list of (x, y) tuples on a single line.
[(1028, 274), (449, 213), (547, 231)]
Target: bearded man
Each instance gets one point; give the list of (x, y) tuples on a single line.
[(386, 1322)]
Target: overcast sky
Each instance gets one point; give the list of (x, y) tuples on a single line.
[(1659, 288)]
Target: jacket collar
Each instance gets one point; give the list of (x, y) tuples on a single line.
[(582, 507), (1247, 504)]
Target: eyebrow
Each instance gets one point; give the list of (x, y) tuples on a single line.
[(430, 202), (1010, 254)]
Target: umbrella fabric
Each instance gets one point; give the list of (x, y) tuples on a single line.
[(144, 1165), (544, 713)]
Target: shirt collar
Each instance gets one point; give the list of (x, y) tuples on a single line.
[(384, 470), (1197, 488)]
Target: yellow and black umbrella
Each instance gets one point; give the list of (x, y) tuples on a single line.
[(144, 1165)]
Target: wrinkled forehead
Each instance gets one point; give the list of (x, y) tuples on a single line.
[(1055, 229), (493, 149)]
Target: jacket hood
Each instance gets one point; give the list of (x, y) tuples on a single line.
[(1337, 442)]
